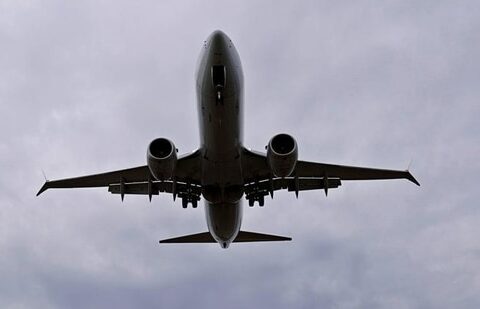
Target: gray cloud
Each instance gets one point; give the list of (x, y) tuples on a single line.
[(85, 86)]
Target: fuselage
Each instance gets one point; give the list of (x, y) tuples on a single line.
[(219, 87)]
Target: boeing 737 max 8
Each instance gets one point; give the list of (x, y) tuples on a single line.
[(222, 170)]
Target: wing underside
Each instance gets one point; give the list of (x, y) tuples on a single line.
[(139, 180), (256, 167), (259, 181), (306, 176)]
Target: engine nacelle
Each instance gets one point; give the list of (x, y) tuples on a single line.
[(282, 155), (161, 158)]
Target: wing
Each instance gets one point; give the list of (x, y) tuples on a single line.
[(344, 172), (139, 180), (306, 175)]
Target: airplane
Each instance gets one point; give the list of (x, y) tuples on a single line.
[(222, 170)]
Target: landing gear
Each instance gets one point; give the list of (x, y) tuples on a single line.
[(261, 201), (253, 199), (219, 94), (193, 200)]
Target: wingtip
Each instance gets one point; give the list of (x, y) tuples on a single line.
[(412, 179), (43, 188)]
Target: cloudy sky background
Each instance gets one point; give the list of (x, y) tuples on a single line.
[(85, 86)]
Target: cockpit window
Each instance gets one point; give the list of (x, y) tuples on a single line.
[(218, 75)]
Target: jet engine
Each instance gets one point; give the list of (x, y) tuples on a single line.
[(161, 158), (282, 155)]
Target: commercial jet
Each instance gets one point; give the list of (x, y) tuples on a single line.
[(222, 170)]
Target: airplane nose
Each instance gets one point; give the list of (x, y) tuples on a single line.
[(218, 40)]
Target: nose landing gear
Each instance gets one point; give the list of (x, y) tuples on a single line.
[(219, 94)]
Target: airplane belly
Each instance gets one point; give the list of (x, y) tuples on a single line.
[(222, 179), (221, 129), (220, 99)]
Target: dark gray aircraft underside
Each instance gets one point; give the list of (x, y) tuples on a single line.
[(222, 170)]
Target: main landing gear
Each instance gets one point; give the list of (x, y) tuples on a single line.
[(259, 199), (186, 200)]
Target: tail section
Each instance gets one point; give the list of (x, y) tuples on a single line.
[(242, 236)]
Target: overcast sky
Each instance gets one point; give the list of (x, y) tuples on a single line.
[(86, 85)]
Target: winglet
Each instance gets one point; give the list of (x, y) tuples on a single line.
[(411, 178), (43, 188)]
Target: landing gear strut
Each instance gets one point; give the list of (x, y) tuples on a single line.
[(219, 94)]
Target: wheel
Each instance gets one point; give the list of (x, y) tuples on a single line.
[(250, 202), (184, 202), (194, 203), (261, 201)]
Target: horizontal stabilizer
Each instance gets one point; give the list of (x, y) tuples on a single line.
[(193, 238), (251, 236), (206, 237)]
